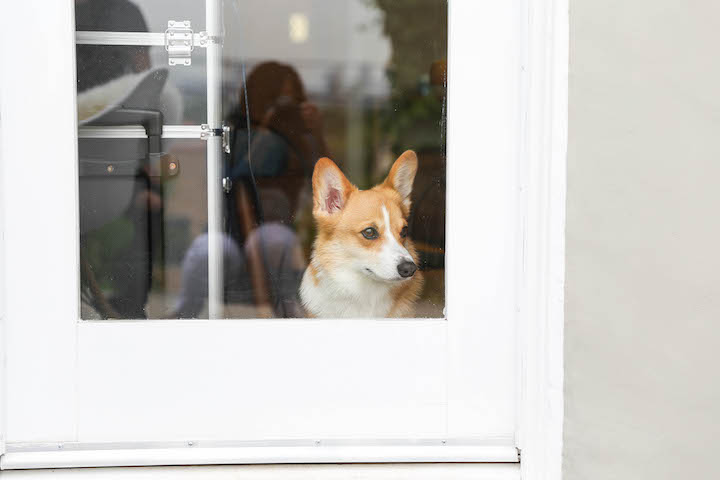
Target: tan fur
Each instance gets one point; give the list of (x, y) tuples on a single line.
[(362, 209), (313, 272)]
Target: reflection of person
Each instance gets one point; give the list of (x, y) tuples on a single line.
[(277, 137), (273, 241), (285, 132)]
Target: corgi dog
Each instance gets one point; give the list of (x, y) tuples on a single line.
[(363, 263)]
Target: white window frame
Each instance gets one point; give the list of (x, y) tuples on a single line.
[(543, 132)]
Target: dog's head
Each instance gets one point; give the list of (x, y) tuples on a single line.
[(365, 230)]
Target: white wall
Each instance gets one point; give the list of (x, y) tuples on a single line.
[(643, 233)]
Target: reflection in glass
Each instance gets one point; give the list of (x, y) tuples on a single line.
[(353, 80)]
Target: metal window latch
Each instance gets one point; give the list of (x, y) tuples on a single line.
[(224, 132), (179, 42)]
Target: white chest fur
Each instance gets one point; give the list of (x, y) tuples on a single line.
[(345, 294)]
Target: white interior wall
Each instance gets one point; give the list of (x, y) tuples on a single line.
[(642, 302)]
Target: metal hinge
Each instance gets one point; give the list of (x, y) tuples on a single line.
[(180, 41), (226, 138), (224, 132)]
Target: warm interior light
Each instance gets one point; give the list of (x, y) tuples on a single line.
[(298, 27)]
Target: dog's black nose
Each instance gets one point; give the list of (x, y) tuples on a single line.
[(406, 269)]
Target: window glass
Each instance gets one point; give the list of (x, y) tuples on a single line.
[(136, 15), (360, 234)]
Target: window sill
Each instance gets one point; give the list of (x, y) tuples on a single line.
[(126, 455), (453, 471)]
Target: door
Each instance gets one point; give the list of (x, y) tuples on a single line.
[(174, 322)]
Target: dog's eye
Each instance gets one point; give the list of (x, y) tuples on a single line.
[(370, 233), (403, 232)]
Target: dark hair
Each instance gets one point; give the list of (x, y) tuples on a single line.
[(264, 86)]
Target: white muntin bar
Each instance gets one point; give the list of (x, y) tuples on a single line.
[(130, 131), (120, 38), (214, 27), (148, 39)]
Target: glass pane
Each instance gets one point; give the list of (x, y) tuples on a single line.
[(143, 198), (138, 222), (351, 80), (358, 81), (136, 15), (107, 73)]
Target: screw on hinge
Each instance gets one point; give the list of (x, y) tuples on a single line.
[(227, 184), (519, 453)]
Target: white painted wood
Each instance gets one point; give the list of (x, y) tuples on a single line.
[(197, 455), (458, 471), (40, 228), (3, 345), (215, 204), (482, 235), (170, 380), (260, 379), (399, 373), (542, 278)]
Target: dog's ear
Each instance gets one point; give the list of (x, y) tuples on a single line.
[(330, 187), (402, 176)]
